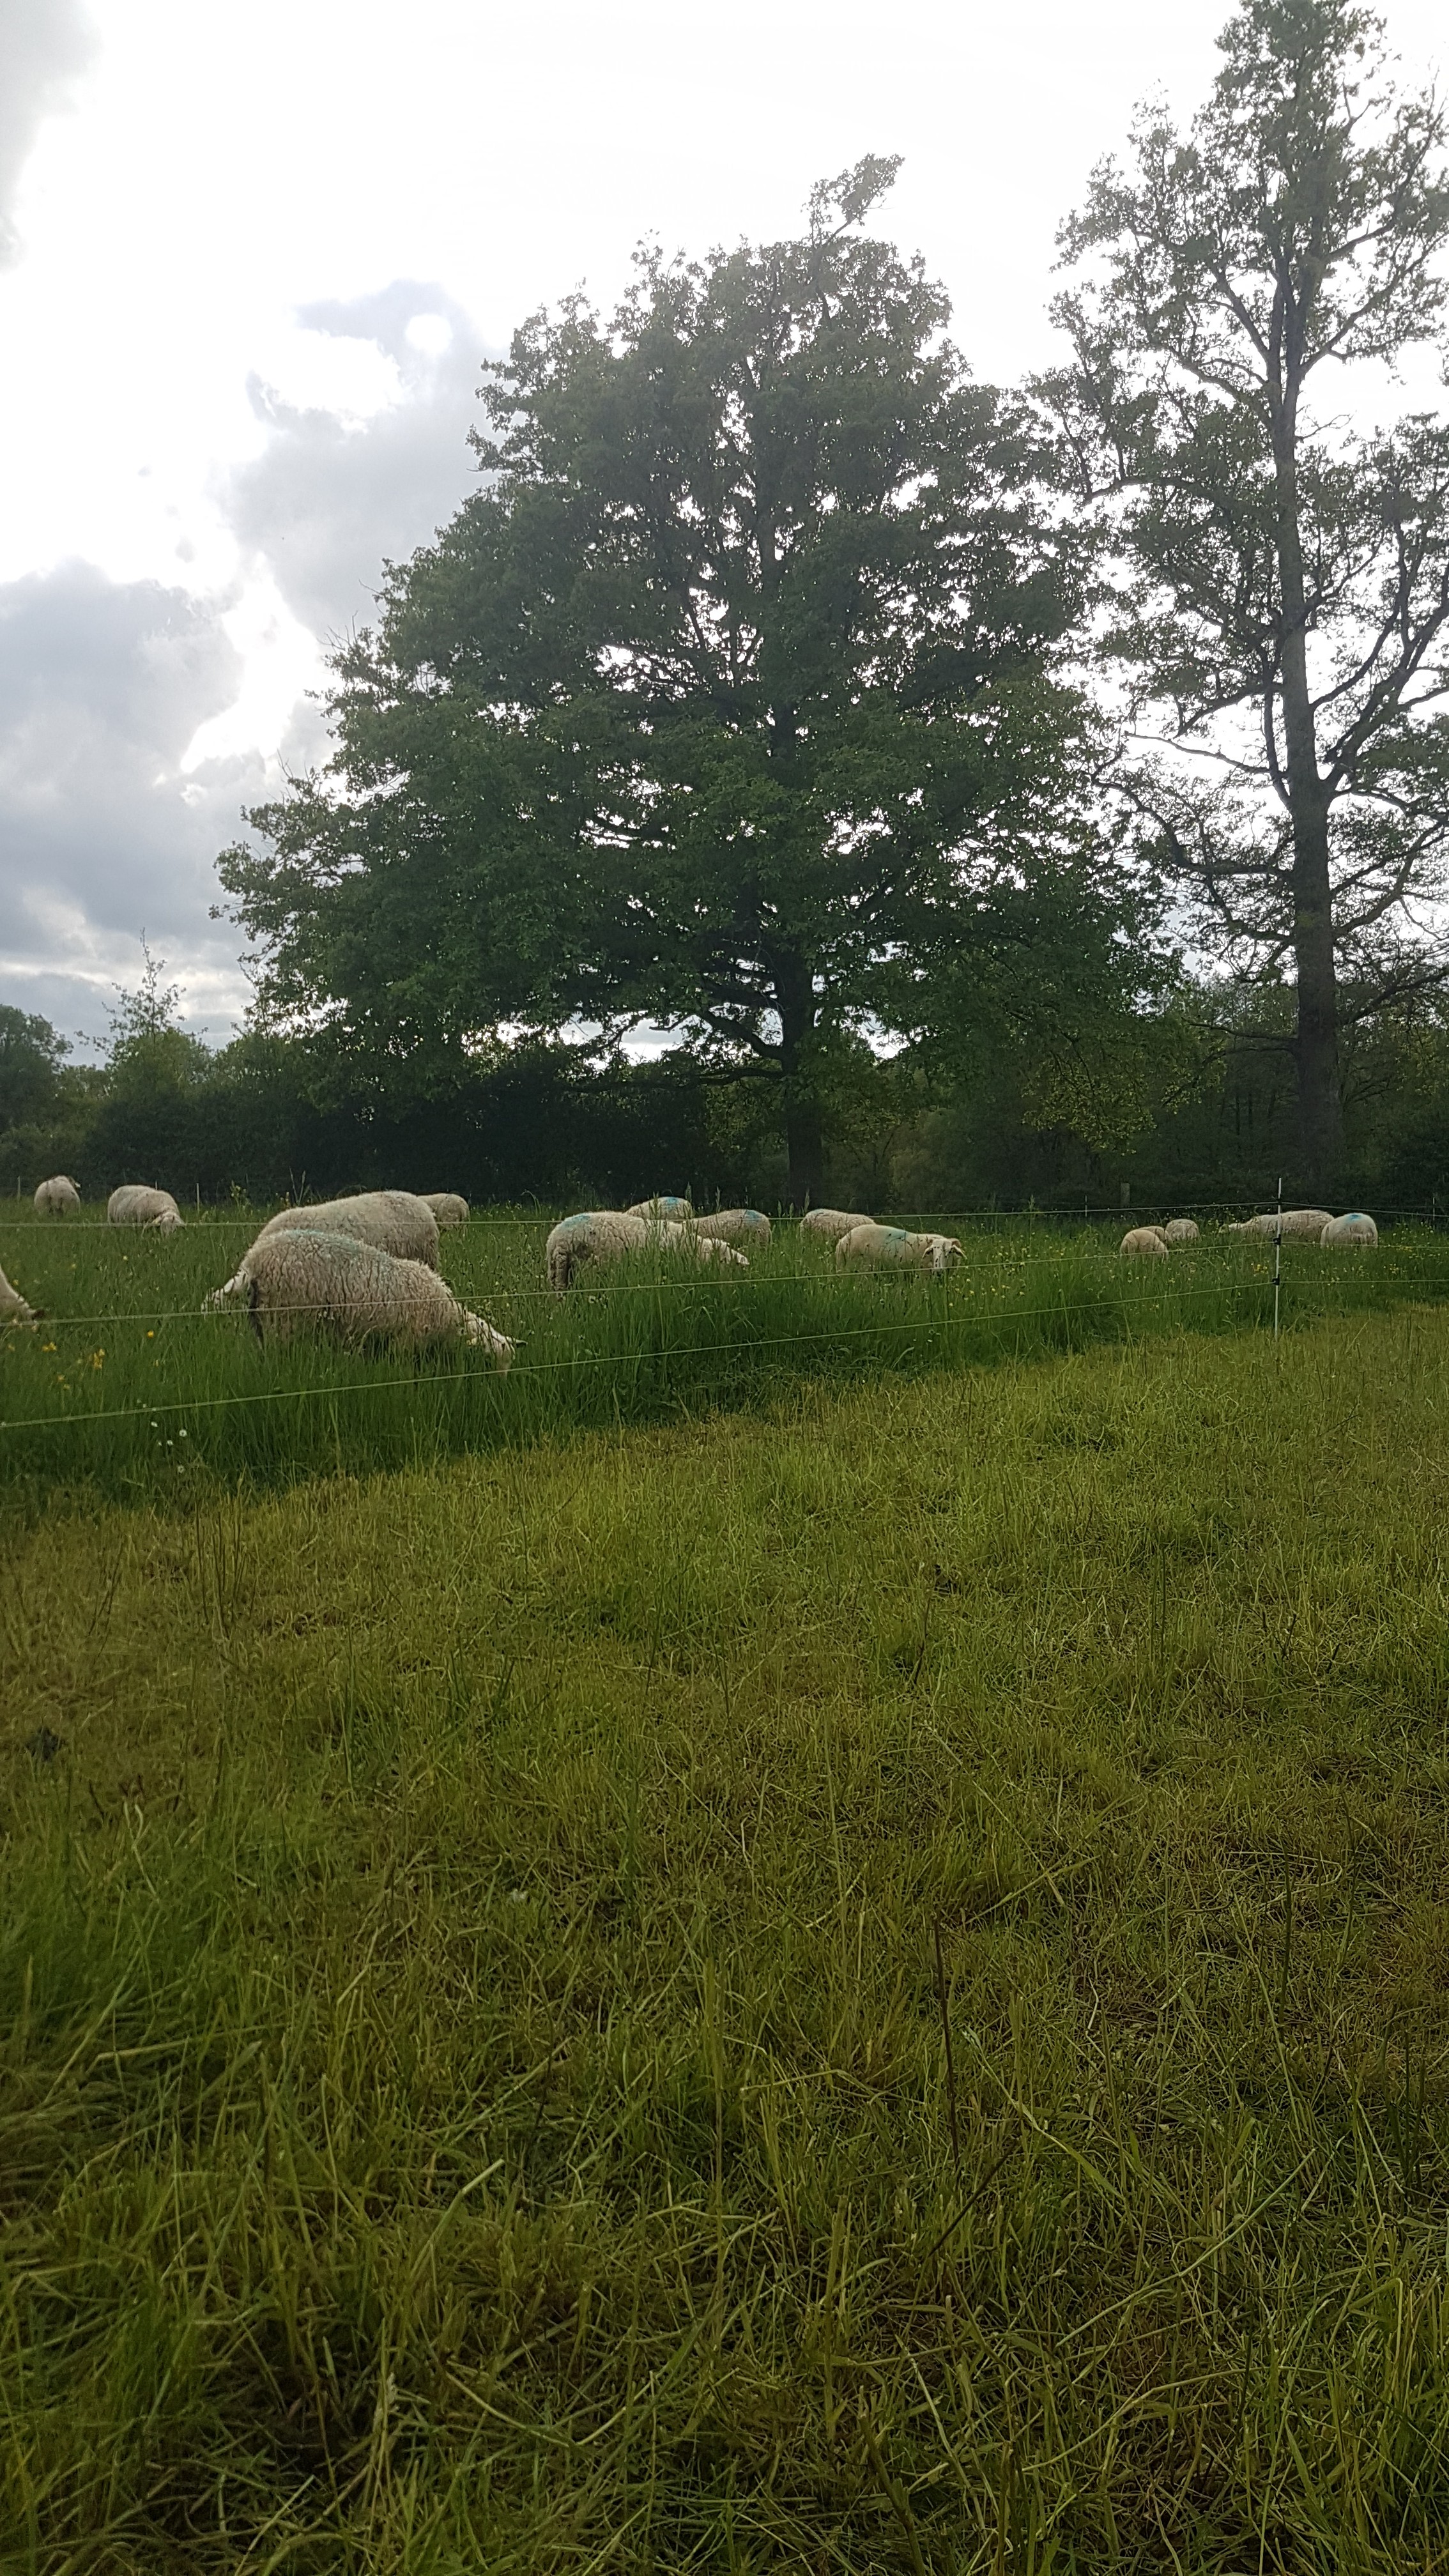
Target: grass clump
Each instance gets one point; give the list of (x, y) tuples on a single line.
[(856, 1986), (129, 1386)]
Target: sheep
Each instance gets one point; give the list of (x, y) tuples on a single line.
[(873, 1244), (831, 1223), (13, 1308), (1354, 1229), (734, 1225), (54, 1197), (136, 1205), (299, 1279), (390, 1220), (605, 1235), (1179, 1230), (1305, 1221), (676, 1210), (1143, 1243), (447, 1207)]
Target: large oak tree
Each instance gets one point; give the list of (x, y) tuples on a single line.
[(729, 701), (1283, 608)]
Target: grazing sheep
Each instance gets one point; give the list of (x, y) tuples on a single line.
[(1143, 1243), (603, 1235), (1306, 1221), (390, 1220), (54, 1197), (734, 1225), (1179, 1229), (831, 1223), (676, 1210), (447, 1207), (134, 1205), (1357, 1228), (300, 1280), (873, 1246), (13, 1308), (695, 1246)]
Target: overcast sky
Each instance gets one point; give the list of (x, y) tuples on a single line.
[(250, 257)]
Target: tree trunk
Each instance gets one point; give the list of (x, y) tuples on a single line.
[(805, 1145), (804, 1128), (1320, 1106)]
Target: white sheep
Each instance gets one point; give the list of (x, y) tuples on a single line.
[(1355, 1228), (55, 1196), (873, 1246), (831, 1223), (13, 1308), (677, 1210), (447, 1207), (392, 1221), (734, 1225), (136, 1205), (1143, 1243), (601, 1236), (299, 1279), (1295, 1221), (1179, 1229)]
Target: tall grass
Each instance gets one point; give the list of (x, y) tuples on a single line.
[(129, 1385), (857, 1988)]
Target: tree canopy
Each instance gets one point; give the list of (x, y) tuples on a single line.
[(1283, 606), (731, 701)]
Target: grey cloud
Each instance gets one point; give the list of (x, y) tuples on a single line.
[(326, 505), (43, 44), (102, 685)]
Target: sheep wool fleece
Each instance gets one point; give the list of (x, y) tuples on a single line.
[(390, 1220), (134, 1205), (303, 1280)]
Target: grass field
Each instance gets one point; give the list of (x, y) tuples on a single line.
[(130, 1391), (854, 1984)]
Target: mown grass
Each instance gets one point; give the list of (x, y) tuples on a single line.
[(862, 1985), (129, 1386)]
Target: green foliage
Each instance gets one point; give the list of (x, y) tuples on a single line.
[(732, 701), (858, 1989), (1285, 595), (31, 1056)]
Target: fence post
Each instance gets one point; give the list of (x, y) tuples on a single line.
[(1277, 1255)]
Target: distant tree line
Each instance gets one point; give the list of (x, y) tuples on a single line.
[(1186, 1115)]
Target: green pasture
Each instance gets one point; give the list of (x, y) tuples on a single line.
[(857, 1985), (129, 1388)]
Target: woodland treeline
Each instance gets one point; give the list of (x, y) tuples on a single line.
[(993, 793)]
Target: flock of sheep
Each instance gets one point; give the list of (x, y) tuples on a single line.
[(365, 1268), (1155, 1242)]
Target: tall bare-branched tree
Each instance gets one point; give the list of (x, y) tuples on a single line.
[(1280, 600)]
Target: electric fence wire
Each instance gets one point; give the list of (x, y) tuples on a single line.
[(560, 1367)]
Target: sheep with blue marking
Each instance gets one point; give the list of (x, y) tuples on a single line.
[(1348, 1232), (890, 1247), (599, 1237), (734, 1225), (677, 1211)]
